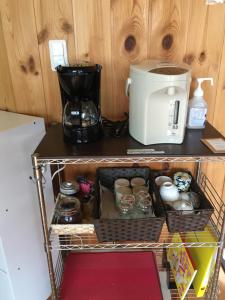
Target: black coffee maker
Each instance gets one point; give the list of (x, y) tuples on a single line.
[(80, 93)]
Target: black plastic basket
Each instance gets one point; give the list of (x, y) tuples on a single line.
[(179, 222), (147, 229)]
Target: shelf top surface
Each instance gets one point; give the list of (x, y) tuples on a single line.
[(53, 146)]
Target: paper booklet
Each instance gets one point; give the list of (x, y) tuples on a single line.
[(204, 259), (181, 266)]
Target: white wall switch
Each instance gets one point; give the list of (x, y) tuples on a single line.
[(215, 1), (58, 53)]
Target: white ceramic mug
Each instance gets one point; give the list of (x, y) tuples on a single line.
[(161, 179), (121, 182), (137, 181)]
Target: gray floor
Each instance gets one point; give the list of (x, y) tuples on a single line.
[(165, 291)]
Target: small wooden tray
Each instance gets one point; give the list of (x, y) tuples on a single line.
[(216, 145)]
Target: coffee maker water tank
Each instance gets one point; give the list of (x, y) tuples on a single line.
[(158, 101)]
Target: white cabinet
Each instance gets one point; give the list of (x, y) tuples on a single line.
[(23, 263), (5, 288)]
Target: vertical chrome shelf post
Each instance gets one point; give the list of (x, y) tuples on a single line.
[(214, 290), (38, 180)]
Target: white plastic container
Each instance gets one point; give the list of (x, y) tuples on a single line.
[(197, 108)]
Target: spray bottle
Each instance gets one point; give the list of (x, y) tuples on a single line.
[(197, 108)]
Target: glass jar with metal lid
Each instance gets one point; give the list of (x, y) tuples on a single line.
[(69, 188), (68, 210)]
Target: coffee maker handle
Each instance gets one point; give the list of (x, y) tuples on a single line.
[(127, 87), (64, 112)]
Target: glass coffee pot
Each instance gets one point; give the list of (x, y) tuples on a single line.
[(80, 93), (80, 113)]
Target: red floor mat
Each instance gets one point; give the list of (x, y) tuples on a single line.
[(111, 276)]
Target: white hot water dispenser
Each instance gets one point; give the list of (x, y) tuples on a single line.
[(158, 101)]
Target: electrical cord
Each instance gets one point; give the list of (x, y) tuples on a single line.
[(115, 128)]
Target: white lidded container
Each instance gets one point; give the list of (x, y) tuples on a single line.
[(158, 100)]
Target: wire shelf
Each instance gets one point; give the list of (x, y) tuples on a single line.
[(161, 266), (90, 242), (131, 159), (85, 238)]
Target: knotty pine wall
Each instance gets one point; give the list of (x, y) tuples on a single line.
[(114, 33)]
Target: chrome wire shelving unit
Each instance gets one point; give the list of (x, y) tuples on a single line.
[(82, 237)]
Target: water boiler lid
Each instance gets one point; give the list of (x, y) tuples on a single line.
[(168, 70)]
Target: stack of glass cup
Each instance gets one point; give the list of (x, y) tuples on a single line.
[(132, 194)]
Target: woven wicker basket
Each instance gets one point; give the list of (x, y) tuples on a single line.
[(179, 222), (148, 229)]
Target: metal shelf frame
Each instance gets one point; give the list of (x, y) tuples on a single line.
[(88, 242), (130, 159)]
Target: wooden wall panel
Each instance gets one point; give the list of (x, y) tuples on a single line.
[(54, 21), (129, 31), (218, 121), (169, 29), (19, 29), (219, 111), (203, 53), (93, 43), (204, 46), (6, 92)]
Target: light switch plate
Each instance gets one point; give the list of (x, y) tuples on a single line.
[(215, 1), (58, 53)]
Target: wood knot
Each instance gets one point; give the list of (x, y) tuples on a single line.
[(188, 59), (23, 69), (202, 57), (130, 43), (31, 64), (167, 41), (67, 27), (42, 36), (36, 73)]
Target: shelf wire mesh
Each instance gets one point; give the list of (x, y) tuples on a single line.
[(88, 242), (128, 159), (162, 267)]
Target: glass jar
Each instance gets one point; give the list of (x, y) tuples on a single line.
[(143, 202), (69, 188), (68, 210), (126, 204)]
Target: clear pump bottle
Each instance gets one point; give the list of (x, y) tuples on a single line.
[(197, 108)]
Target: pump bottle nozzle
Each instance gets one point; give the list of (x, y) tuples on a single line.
[(199, 92)]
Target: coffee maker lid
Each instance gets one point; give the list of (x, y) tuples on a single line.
[(79, 68)]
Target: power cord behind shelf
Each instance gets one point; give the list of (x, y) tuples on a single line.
[(116, 128)]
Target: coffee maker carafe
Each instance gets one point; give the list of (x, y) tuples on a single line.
[(80, 93)]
